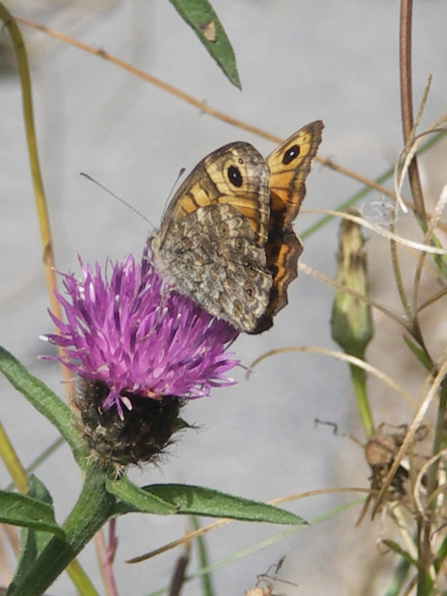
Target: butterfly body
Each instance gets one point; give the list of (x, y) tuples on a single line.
[(226, 239)]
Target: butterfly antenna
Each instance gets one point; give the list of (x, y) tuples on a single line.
[(180, 174), (168, 200), (131, 207)]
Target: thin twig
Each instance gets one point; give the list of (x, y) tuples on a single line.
[(200, 105)]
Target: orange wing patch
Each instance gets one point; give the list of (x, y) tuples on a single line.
[(289, 167)]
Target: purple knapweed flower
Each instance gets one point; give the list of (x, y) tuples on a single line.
[(127, 331)]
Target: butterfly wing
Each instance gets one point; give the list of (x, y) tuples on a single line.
[(235, 174), (210, 245), (289, 166)]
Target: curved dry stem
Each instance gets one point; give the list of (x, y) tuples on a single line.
[(39, 194), (407, 154), (204, 107), (28, 116), (397, 271), (418, 483), (424, 403), (440, 205), (409, 165), (412, 252), (407, 151), (381, 231), (410, 307), (434, 273), (346, 358), (200, 105), (330, 282), (432, 299)]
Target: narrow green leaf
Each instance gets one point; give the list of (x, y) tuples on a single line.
[(22, 510), (204, 561), (32, 543), (45, 401), (394, 546), (399, 579), (38, 490), (418, 353), (440, 260), (197, 500), (200, 15), (137, 498)]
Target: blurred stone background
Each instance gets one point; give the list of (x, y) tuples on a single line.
[(298, 61)]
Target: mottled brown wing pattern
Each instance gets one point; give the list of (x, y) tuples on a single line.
[(289, 166), (226, 239), (210, 245)]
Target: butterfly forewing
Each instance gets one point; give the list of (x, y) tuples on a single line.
[(211, 241), (235, 174)]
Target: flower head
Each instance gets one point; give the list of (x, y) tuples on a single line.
[(126, 330)]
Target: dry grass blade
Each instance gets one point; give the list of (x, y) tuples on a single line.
[(381, 231), (346, 358)]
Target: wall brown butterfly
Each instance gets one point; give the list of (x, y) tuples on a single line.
[(226, 239)]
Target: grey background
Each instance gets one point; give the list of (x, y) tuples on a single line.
[(298, 61)]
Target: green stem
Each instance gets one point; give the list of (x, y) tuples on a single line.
[(441, 554), (358, 376), (425, 583), (439, 440), (11, 461), (91, 511)]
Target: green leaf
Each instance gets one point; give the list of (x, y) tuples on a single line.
[(32, 543), (399, 579), (204, 561), (45, 401), (92, 509), (200, 15), (22, 510), (38, 490), (394, 546), (137, 498), (440, 260), (197, 500), (419, 354)]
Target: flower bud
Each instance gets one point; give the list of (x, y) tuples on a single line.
[(351, 321)]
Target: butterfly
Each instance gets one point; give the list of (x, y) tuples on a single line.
[(226, 239)]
